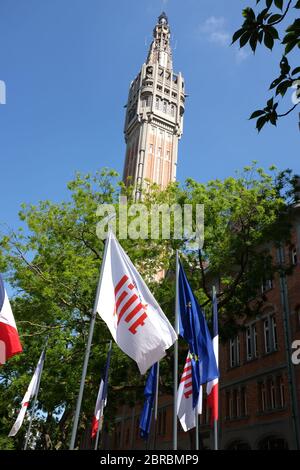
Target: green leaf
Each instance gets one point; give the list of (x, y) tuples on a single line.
[(253, 41), (274, 18), (268, 40), (273, 31), (261, 122), (283, 87), (257, 113), (273, 118), (279, 4), (269, 3), (245, 38), (296, 70), (277, 81), (295, 26), (285, 66), (260, 36), (262, 15), (237, 35), (249, 14), (289, 38), (290, 46), (297, 4)]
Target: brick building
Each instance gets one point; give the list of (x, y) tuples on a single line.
[(259, 385)]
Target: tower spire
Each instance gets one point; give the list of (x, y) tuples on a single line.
[(160, 49)]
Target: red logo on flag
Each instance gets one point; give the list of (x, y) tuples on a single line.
[(128, 304)]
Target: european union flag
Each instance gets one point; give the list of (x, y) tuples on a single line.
[(193, 328), (149, 392)]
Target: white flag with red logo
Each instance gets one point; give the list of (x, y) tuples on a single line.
[(28, 395), (185, 411), (134, 318)]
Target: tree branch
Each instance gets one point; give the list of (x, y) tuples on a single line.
[(204, 286), (284, 14), (288, 112)]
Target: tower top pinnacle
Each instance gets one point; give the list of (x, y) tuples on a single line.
[(160, 49), (163, 19)]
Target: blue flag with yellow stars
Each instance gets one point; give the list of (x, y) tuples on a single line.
[(193, 328)]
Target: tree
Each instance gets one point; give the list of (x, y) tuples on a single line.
[(264, 28), (53, 267)]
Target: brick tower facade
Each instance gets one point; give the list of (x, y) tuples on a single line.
[(154, 117)]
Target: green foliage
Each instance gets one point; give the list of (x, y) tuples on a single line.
[(54, 264), (263, 29)]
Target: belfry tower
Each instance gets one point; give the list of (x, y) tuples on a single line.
[(154, 117)]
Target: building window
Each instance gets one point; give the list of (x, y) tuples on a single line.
[(151, 148), (251, 342), (244, 410), (273, 443), (234, 346), (228, 416), (271, 394), (165, 107), (159, 150), (274, 333), (294, 259), (158, 170), (236, 403), (168, 155), (157, 101), (267, 281), (267, 284), (280, 392), (270, 334), (262, 396)]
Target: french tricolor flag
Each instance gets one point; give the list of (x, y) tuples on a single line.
[(9, 337), (102, 397), (212, 388)]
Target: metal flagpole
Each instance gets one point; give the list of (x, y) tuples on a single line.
[(197, 428), (35, 398), (216, 430), (105, 378), (216, 434), (87, 354), (176, 355), (156, 406)]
